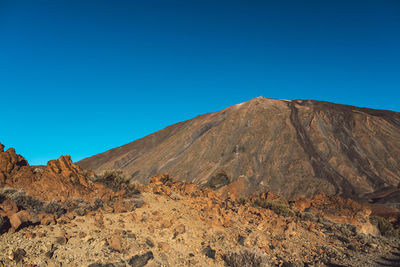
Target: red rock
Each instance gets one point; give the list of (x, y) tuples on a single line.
[(17, 219), (60, 180), (65, 168), (46, 219), (8, 207), (30, 235), (116, 242), (10, 163)]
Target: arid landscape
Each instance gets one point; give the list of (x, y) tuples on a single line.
[(199, 133), (263, 183)]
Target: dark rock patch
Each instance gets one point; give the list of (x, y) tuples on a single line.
[(141, 260)]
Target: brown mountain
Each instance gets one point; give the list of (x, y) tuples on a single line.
[(293, 148)]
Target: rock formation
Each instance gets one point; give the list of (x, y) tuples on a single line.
[(61, 179), (10, 163)]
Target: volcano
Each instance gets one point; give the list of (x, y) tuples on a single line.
[(293, 148)]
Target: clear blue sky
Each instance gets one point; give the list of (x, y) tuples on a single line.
[(81, 77)]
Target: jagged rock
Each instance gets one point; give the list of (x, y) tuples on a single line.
[(66, 170), (19, 255), (209, 252), (10, 163), (8, 207), (141, 260), (20, 218), (60, 180)]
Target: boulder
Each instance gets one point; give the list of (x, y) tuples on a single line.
[(67, 170), (4, 224), (10, 163), (116, 242), (20, 218), (8, 208), (209, 252), (141, 260)]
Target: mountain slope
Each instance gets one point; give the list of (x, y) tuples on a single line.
[(292, 148)]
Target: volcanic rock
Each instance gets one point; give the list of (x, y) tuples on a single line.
[(60, 180), (4, 224), (116, 242), (10, 163), (141, 260), (19, 255), (8, 207), (209, 252), (21, 217)]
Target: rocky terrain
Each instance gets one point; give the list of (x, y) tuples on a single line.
[(293, 148), (106, 220)]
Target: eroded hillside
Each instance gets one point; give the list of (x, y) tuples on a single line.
[(293, 148)]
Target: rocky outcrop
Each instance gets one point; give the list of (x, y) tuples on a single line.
[(60, 180), (10, 163), (293, 148), (56, 194), (67, 171)]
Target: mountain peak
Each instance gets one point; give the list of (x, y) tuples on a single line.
[(293, 148)]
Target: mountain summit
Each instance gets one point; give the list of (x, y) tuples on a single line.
[(293, 148)]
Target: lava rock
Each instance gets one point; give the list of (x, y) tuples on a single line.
[(141, 260), (209, 252), (118, 264), (4, 224), (149, 243), (19, 255), (61, 240)]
